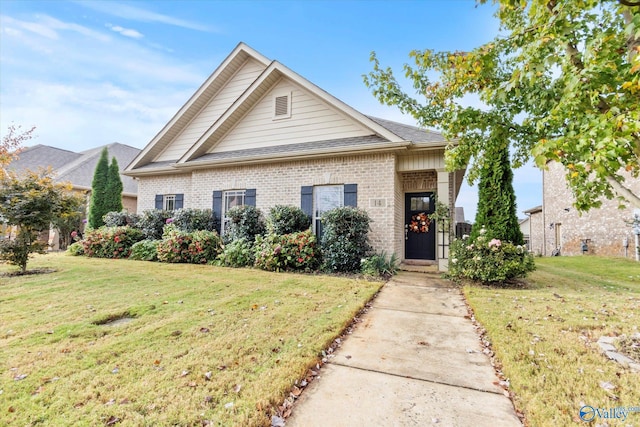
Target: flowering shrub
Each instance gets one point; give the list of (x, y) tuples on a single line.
[(285, 219), (198, 247), (194, 219), (295, 251), (239, 253), (111, 242), (344, 239), (75, 249), (245, 222), (145, 250), (488, 261), (152, 223), (120, 219)]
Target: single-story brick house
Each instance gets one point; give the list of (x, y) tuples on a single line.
[(257, 133), (557, 226)]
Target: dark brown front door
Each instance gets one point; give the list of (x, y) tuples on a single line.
[(420, 231)]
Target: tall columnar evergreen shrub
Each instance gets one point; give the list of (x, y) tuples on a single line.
[(113, 191), (344, 240), (497, 201), (97, 206)]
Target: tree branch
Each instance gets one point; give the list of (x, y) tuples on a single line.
[(623, 191), (630, 3)]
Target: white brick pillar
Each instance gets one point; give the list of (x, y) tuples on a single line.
[(442, 240)]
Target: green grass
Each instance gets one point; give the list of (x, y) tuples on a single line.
[(255, 332), (545, 336)]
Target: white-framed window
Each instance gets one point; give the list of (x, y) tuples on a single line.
[(169, 202), (282, 105), (231, 199), (325, 198)]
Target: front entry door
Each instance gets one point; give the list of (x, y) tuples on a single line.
[(419, 230)]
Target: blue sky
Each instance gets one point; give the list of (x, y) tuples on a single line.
[(88, 73)]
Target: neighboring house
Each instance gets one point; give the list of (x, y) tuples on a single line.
[(525, 229), (534, 226), (78, 169), (558, 226), (257, 133)]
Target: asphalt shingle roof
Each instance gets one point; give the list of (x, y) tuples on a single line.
[(76, 168), (410, 133)]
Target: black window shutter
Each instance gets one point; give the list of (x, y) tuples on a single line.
[(159, 200), (217, 208), (306, 200), (179, 201), (351, 195), (250, 196)]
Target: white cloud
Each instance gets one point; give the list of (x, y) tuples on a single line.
[(127, 32), (132, 13)]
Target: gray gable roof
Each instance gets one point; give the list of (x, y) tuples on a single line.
[(410, 133), (77, 168), (42, 156)]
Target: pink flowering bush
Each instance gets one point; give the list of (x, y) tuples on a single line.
[(111, 242), (198, 247), (488, 261), (294, 251)]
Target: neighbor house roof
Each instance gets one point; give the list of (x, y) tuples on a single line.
[(533, 210), (377, 134), (76, 168)]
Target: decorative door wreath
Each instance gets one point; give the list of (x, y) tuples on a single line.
[(419, 223)]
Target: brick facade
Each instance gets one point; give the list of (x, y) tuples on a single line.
[(605, 229), (380, 188)]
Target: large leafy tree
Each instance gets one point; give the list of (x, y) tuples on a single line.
[(496, 200), (113, 191), (31, 202), (560, 83), (98, 204)]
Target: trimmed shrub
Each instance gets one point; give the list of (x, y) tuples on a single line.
[(152, 223), (488, 261), (344, 239), (295, 251), (239, 253), (245, 222), (75, 249), (120, 219), (195, 219), (198, 247), (111, 242), (285, 219), (145, 250), (378, 265)]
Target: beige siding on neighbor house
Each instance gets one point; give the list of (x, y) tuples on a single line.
[(311, 120), (212, 111)]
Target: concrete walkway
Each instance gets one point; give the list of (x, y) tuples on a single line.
[(413, 361)]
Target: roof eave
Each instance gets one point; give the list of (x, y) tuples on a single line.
[(301, 155)]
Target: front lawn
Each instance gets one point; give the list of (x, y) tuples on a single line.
[(197, 345), (545, 336)]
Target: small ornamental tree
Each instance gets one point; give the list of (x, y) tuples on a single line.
[(31, 203), (11, 144), (113, 190), (97, 206), (497, 201)]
